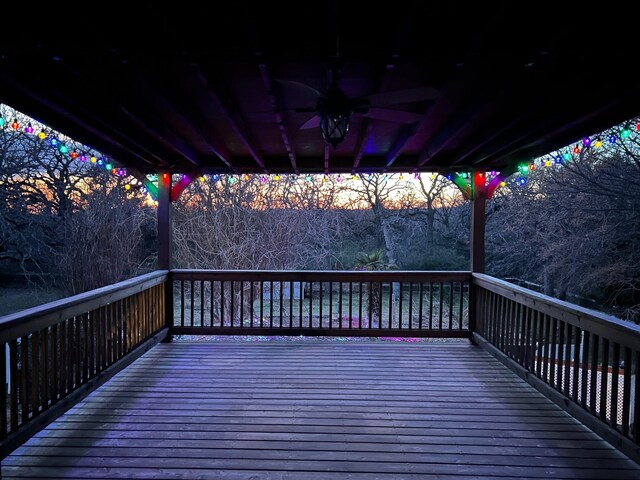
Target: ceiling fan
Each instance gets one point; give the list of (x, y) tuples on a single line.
[(333, 108)]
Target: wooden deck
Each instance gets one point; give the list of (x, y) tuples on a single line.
[(303, 410)]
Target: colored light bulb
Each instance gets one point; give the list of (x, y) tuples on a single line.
[(63, 148), (612, 138), (276, 178), (547, 163), (308, 178), (42, 135), (100, 162), (522, 181), (93, 159), (2, 122), (558, 159), (503, 184), (15, 125), (108, 166), (401, 177), (263, 179), (338, 179), (202, 179), (586, 141), (122, 172), (83, 158), (215, 177), (232, 180), (74, 155), (576, 149), (28, 129), (127, 187), (625, 133), (598, 143), (566, 156), (416, 176)]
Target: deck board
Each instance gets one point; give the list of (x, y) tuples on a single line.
[(310, 411)]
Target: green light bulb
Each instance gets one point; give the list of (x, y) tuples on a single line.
[(2, 122), (625, 133), (63, 148)]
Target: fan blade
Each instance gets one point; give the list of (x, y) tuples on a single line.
[(403, 96), (397, 116), (301, 86), (304, 109), (313, 122)]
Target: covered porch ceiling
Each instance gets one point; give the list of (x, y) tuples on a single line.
[(484, 85)]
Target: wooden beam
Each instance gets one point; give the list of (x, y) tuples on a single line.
[(165, 137), (164, 220), (235, 121), (276, 104), (183, 183), (363, 136), (454, 129), (141, 177), (501, 177), (327, 154), (406, 132), (478, 220)]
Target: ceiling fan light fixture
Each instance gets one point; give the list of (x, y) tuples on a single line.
[(334, 127)]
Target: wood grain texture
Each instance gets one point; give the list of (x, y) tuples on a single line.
[(317, 410)]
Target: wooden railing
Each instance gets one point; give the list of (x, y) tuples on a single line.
[(362, 303), (590, 359), (53, 354)]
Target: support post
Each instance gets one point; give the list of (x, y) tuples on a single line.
[(478, 209), (476, 243), (164, 243)]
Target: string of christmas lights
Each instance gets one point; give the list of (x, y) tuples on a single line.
[(461, 179)]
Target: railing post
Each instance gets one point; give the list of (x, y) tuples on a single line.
[(164, 243)]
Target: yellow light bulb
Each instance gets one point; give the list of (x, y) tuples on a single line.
[(42, 135), (94, 159), (598, 143), (276, 177), (503, 184), (127, 187), (202, 179)]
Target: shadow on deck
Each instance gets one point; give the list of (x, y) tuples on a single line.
[(325, 410)]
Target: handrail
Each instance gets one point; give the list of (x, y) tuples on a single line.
[(621, 331), (26, 321), (302, 302), (320, 275)]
